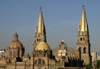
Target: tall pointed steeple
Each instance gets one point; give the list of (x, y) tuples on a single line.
[(40, 29), (83, 27), (83, 43)]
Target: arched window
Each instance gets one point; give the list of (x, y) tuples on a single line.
[(83, 39), (40, 51), (14, 53), (59, 46), (64, 47), (18, 52), (39, 39), (10, 52), (79, 49), (39, 61), (80, 39), (84, 50), (43, 62)]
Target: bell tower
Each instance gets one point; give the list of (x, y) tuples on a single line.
[(83, 43), (39, 30)]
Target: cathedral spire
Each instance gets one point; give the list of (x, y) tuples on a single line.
[(40, 32), (83, 43), (40, 25), (83, 27)]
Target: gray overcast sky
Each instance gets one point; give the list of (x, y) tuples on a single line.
[(61, 18)]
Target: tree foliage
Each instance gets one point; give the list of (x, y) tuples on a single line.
[(98, 64), (88, 66)]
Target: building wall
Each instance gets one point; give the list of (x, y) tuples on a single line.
[(2, 51)]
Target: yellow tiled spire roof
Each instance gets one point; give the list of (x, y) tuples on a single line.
[(40, 24), (83, 22)]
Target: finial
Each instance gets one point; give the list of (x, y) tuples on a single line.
[(83, 6), (40, 8), (62, 41), (15, 34)]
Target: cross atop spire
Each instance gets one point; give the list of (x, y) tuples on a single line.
[(40, 7), (83, 6)]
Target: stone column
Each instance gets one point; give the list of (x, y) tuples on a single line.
[(17, 53), (32, 61), (12, 53), (81, 49), (25, 65), (87, 49)]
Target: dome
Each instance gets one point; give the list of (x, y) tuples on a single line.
[(15, 44), (42, 46)]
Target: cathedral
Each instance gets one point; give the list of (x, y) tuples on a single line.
[(42, 56)]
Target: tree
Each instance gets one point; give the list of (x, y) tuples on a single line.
[(88, 66), (98, 64)]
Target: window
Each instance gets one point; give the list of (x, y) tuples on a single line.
[(63, 57), (83, 39), (10, 52), (59, 46), (43, 62), (18, 52), (80, 39), (38, 39), (40, 51), (64, 47), (79, 49), (39, 61), (84, 50), (14, 52)]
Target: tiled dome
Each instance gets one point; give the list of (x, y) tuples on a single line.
[(15, 43)]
